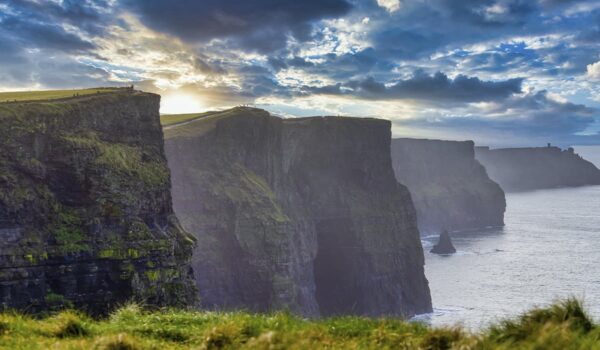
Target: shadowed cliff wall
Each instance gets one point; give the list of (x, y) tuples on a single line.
[(300, 214), (525, 169), (85, 206), (450, 189)]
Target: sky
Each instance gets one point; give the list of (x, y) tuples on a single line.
[(500, 72)]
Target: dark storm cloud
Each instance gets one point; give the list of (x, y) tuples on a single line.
[(39, 41), (260, 25), (532, 116), (89, 16), (481, 13), (367, 54), (258, 81), (437, 87), (40, 25), (43, 35), (421, 28), (338, 67)]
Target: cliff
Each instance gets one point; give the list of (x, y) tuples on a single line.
[(450, 189), (86, 217), (525, 169), (298, 214)]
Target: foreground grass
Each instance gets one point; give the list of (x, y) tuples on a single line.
[(562, 326), (49, 94)]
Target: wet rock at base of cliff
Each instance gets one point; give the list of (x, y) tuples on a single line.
[(299, 214), (444, 245)]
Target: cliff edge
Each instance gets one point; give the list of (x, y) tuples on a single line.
[(526, 169), (299, 214), (86, 217), (451, 190)]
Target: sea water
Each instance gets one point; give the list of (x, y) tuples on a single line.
[(549, 249)]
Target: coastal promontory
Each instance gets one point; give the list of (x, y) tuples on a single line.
[(450, 188), (85, 208), (297, 214)]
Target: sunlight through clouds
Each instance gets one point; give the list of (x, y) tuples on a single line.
[(452, 65)]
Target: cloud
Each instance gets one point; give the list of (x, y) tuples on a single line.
[(329, 56), (262, 25), (437, 87), (43, 35), (528, 118), (86, 16), (593, 70), (389, 5)]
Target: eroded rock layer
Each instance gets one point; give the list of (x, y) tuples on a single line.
[(299, 214), (450, 189), (85, 207)]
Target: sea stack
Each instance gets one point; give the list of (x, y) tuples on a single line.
[(444, 245)]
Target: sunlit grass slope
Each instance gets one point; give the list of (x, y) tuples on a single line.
[(171, 119), (207, 122), (49, 94), (562, 326)]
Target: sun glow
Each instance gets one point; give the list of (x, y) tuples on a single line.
[(180, 104)]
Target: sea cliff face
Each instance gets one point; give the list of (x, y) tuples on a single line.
[(525, 169), (450, 189), (85, 207), (300, 214)]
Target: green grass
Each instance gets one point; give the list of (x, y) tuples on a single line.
[(50, 94), (171, 119), (208, 122), (561, 326), (124, 159)]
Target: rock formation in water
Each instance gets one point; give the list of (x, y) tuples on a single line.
[(444, 245), (525, 169), (85, 206), (298, 214), (450, 189)]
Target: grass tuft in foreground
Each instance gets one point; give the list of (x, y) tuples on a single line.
[(564, 325)]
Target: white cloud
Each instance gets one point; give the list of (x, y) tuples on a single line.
[(593, 70), (389, 5)]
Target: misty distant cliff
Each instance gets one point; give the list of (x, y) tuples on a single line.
[(299, 214), (523, 169), (450, 189), (85, 206)]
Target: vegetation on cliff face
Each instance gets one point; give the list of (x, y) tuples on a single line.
[(562, 326), (85, 206), (300, 214)]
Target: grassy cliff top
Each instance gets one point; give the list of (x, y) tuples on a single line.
[(562, 326), (197, 124), (20, 96), (174, 119), (58, 101)]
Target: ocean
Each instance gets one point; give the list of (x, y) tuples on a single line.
[(548, 249)]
